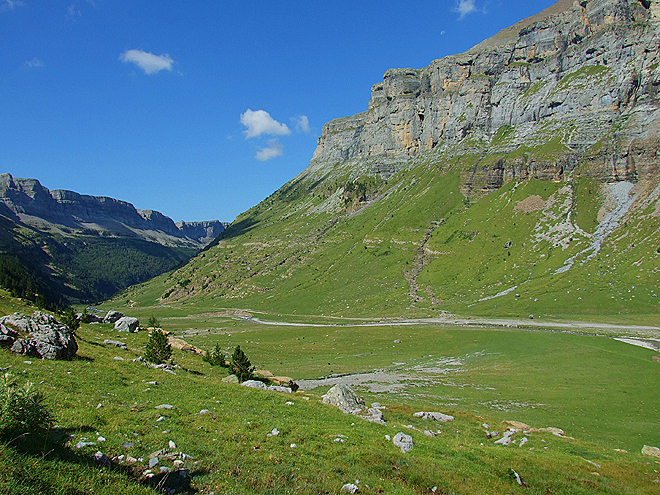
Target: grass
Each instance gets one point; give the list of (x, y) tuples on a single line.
[(581, 382)]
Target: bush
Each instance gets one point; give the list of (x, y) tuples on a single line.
[(21, 409), (154, 322), (70, 320), (216, 357), (240, 365), (158, 350)]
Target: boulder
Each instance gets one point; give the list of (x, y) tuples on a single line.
[(403, 441), (343, 397), (254, 384), (277, 388), (648, 450), (7, 336), (127, 324), (436, 416), (46, 337), (230, 379), (112, 316), (184, 346), (116, 343)]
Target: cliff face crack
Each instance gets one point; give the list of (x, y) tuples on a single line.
[(419, 262)]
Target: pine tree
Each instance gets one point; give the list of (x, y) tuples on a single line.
[(158, 350), (241, 366)]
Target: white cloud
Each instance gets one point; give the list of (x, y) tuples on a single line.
[(10, 4), (465, 7), (260, 122), (34, 63), (302, 124), (148, 62), (274, 149)]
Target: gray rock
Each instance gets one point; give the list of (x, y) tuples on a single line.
[(403, 441), (153, 462), (653, 451), (127, 324), (112, 316), (254, 384), (349, 488), (165, 406), (7, 336), (343, 397), (102, 459), (374, 415), (436, 416), (47, 338), (277, 388), (116, 343), (127, 445), (230, 379)]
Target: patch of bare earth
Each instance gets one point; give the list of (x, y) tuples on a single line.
[(530, 204)]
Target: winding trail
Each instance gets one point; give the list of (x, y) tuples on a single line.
[(607, 329)]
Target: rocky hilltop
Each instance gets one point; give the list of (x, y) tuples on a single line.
[(27, 201), (574, 85)]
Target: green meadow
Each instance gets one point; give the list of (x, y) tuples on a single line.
[(599, 391)]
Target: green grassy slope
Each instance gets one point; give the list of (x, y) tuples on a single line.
[(415, 245), (598, 390)]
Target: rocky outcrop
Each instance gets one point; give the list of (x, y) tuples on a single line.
[(39, 336), (27, 201), (577, 85)]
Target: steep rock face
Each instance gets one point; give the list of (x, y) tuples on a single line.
[(574, 85), (26, 200)]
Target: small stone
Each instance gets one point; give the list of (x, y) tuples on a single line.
[(293, 446), (152, 462), (436, 416), (99, 406), (397, 341), (178, 463), (288, 403), (102, 459), (273, 433), (117, 358), (203, 411), (165, 406), (171, 445), (653, 451), (349, 488), (254, 384), (127, 445), (403, 441), (230, 379), (161, 418), (100, 439)]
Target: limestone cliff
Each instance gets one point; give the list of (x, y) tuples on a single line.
[(574, 86)]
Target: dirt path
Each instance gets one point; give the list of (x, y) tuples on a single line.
[(605, 329)]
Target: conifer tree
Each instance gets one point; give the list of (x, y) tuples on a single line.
[(158, 350), (241, 366)]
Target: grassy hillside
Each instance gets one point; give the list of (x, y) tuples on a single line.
[(598, 390), (421, 243), (62, 269)]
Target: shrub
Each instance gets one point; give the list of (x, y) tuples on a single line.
[(241, 366), (154, 322), (70, 320), (216, 357), (21, 409), (158, 350)]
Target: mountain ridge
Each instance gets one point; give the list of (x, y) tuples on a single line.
[(29, 202)]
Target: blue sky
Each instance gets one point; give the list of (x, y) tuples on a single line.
[(202, 109)]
